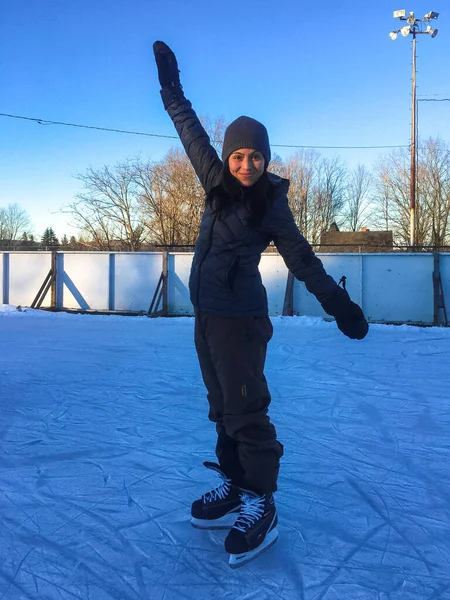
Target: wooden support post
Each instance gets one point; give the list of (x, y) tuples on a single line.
[(5, 283), (53, 280), (440, 311), (49, 283), (288, 305), (165, 273), (161, 293)]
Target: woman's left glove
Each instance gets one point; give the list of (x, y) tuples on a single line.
[(349, 316), (168, 74), (354, 324)]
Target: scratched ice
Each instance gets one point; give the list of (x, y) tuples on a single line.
[(103, 431)]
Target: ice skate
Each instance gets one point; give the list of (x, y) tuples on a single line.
[(254, 531), (219, 508)]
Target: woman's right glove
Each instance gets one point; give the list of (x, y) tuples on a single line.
[(349, 316), (168, 74)]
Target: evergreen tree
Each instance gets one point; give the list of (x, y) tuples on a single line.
[(49, 238), (64, 242), (73, 244)]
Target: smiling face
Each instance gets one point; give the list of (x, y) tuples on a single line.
[(247, 165)]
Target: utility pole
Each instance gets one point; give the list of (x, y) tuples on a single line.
[(414, 27)]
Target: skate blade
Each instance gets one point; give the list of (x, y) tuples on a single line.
[(239, 560), (225, 522)]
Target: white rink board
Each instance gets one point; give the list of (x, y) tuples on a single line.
[(179, 302), (27, 272), (135, 276), (398, 288), (336, 265), (274, 275), (3, 286), (393, 287), (86, 280), (445, 276)]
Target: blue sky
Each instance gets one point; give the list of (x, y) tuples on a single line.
[(314, 76)]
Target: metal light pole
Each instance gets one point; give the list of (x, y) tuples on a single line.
[(414, 27), (412, 176)]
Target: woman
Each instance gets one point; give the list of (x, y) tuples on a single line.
[(246, 208)]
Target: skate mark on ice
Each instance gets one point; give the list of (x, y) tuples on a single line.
[(438, 593), (411, 517), (132, 552), (71, 520), (138, 571), (11, 580), (375, 419), (25, 445), (105, 476), (30, 461), (388, 521), (53, 584), (17, 586), (29, 518), (342, 565), (349, 457), (426, 423), (424, 477), (133, 431)]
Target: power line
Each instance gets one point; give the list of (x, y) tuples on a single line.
[(47, 122), (174, 137), (433, 99)]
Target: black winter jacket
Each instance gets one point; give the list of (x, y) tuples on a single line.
[(225, 279)]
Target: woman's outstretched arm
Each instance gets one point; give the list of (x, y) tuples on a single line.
[(193, 136)]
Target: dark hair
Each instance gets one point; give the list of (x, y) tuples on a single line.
[(257, 197)]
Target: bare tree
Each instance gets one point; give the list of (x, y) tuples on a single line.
[(171, 199), (215, 128), (433, 193), (329, 195), (301, 170), (107, 209), (357, 202), (381, 215), (134, 202), (316, 191), (14, 221), (393, 192)]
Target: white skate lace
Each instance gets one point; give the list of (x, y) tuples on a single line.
[(218, 493), (252, 509)]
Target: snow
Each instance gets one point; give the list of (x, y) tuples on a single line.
[(103, 430)]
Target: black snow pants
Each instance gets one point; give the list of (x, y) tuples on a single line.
[(232, 353)]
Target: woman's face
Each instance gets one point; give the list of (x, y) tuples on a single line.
[(246, 165)]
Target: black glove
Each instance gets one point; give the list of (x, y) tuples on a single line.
[(349, 316), (168, 74), (354, 324)]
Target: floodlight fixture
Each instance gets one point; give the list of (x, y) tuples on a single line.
[(398, 14), (411, 19), (393, 35), (431, 31), (405, 31), (431, 15)]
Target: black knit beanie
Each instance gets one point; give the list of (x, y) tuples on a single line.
[(246, 132)]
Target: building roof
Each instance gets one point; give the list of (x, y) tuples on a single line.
[(365, 240)]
